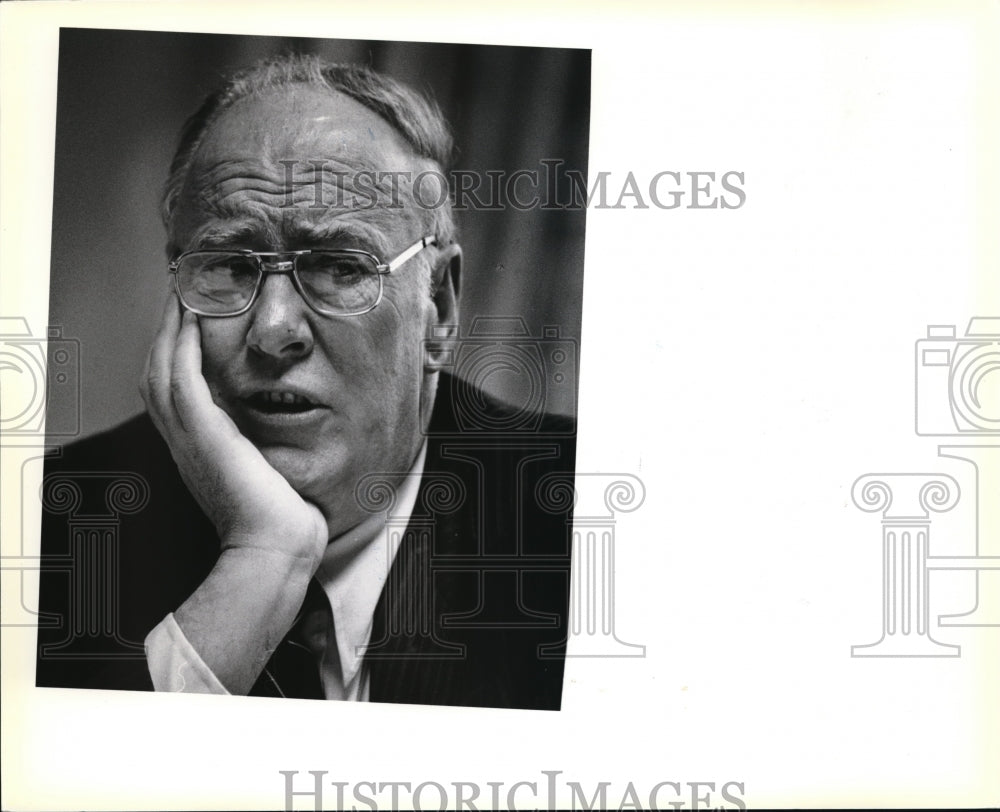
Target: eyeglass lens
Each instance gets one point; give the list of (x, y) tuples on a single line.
[(333, 281)]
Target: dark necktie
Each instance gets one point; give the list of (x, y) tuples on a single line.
[(293, 670)]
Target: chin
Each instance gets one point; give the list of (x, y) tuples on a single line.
[(316, 476)]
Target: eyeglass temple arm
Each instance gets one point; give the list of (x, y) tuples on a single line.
[(410, 252)]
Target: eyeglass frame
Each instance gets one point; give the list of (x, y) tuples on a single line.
[(291, 267)]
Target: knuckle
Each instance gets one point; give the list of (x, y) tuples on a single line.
[(177, 387), (151, 387)]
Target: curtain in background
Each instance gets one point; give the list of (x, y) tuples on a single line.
[(122, 98)]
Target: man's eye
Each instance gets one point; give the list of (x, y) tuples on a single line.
[(237, 267), (336, 267)]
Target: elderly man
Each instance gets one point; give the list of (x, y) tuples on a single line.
[(296, 378)]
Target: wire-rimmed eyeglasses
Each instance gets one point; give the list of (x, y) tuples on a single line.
[(343, 282)]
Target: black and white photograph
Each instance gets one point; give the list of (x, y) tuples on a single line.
[(518, 405), (349, 490)]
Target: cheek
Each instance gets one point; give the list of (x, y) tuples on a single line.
[(395, 365), (221, 344), (408, 344), (384, 370)]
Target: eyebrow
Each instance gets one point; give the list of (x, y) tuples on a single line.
[(370, 233), (335, 233), (233, 233)]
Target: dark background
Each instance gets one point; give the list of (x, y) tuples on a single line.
[(122, 98)]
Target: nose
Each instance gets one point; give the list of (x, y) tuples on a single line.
[(279, 326)]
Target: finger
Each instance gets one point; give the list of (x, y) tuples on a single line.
[(161, 358), (192, 399), (144, 380), (159, 362)]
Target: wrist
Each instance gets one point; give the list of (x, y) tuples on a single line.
[(245, 558), (297, 553), (242, 610)]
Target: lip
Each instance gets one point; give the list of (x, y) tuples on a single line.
[(280, 407)]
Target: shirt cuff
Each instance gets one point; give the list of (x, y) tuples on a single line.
[(174, 665)]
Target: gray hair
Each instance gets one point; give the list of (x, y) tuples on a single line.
[(415, 116)]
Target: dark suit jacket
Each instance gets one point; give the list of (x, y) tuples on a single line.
[(474, 609)]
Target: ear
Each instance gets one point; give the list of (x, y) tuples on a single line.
[(446, 281)]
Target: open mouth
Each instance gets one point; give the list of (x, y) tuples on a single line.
[(281, 403)]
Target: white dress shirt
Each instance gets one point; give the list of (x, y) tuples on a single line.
[(352, 574)]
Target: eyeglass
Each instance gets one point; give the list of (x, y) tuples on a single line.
[(345, 282)]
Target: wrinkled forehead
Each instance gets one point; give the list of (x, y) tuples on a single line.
[(298, 159), (303, 123)]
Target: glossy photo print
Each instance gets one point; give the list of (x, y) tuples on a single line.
[(499, 406), (352, 307)]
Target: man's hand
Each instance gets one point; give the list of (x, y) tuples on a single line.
[(272, 539), (249, 502)]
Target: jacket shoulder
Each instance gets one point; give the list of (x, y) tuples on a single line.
[(130, 445), (462, 407)]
